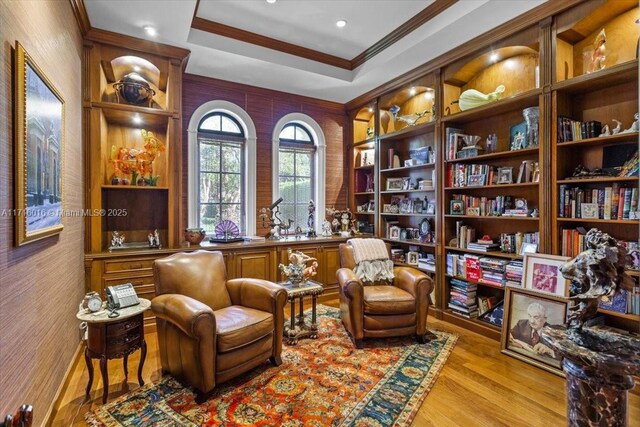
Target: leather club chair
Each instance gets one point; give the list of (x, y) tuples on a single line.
[(382, 310), (211, 329)]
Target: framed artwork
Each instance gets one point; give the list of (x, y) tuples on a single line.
[(406, 183), (412, 258), (518, 136), (431, 207), (475, 180), (39, 131), (457, 207), (589, 210), (473, 211), (525, 314), (394, 184), (505, 175), (542, 274), (394, 232)]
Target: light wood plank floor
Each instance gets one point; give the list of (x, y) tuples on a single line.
[(478, 386)]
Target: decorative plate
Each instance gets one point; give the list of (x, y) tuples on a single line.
[(227, 228)]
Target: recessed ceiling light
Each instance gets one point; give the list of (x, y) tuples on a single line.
[(412, 91), (370, 110), (137, 119), (136, 68), (429, 94), (150, 30), (271, 1), (341, 23), (493, 57)]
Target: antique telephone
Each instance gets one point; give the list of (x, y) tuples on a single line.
[(120, 296)]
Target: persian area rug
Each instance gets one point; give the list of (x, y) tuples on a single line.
[(323, 382)]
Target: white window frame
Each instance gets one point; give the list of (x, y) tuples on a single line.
[(319, 192), (249, 129)]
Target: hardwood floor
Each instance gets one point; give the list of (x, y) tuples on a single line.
[(478, 386)]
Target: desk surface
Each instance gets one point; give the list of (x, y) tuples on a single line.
[(102, 315)]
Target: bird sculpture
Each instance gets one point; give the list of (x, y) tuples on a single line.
[(616, 130), (412, 119), (598, 271)]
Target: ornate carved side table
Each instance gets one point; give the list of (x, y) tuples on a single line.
[(114, 338), (297, 327)]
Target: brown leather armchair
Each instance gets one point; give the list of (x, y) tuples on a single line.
[(211, 329), (383, 310)]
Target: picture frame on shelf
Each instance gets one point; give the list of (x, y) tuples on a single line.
[(367, 157), (394, 232), (371, 207), (475, 180), (394, 184), (39, 114), (473, 211), (542, 274), (431, 207), (505, 175), (528, 248), (457, 207), (406, 183), (386, 208), (403, 234), (525, 313), (412, 258), (410, 162), (406, 206), (518, 136), (589, 210), (418, 205)]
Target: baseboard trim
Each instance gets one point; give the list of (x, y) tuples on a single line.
[(62, 388)]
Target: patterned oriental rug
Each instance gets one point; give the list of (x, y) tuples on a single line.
[(323, 382)]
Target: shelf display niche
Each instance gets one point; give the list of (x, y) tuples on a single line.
[(412, 105)]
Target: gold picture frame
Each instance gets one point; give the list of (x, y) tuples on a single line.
[(524, 311), (39, 142)]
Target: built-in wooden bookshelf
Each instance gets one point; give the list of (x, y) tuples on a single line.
[(541, 66)]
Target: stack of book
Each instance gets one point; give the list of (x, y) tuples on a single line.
[(456, 265), (483, 247), (462, 298), (428, 263), (514, 270), (493, 271), (485, 304)]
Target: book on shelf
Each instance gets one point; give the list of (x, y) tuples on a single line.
[(472, 267), (623, 200), (451, 142), (485, 304), (574, 130), (483, 247), (618, 302)]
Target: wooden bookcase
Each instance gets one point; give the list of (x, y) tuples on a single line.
[(584, 91), (541, 66), (363, 176), (137, 207)]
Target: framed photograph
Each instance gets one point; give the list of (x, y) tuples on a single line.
[(431, 207), (367, 157), (406, 183), (518, 136), (457, 207), (412, 258), (542, 274), (386, 208), (371, 206), (403, 234), (525, 314), (475, 180), (473, 211), (418, 205), (39, 131), (394, 184), (410, 162), (406, 205), (505, 175), (394, 232), (589, 210), (528, 248)]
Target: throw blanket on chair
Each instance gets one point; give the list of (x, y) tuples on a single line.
[(372, 261)]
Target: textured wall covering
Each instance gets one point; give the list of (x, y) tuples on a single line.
[(41, 283), (266, 107)]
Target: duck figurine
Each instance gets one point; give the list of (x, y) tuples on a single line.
[(412, 119)]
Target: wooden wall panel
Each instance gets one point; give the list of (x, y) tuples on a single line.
[(41, 283), (266, 107)]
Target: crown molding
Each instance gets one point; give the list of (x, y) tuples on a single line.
[(82, 18), (134, 43)]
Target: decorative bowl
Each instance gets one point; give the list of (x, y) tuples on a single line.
[(134, 89), (194, 235)]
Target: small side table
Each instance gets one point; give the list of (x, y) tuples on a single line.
[(297, 328), (113, 338)]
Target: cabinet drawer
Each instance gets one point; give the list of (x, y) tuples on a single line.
[(117, 347), (130, 265), (139, 282), (131, 325)]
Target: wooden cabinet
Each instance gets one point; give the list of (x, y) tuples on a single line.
[(258, 264), (133, 145)]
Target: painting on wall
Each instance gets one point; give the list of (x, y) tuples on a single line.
[(39, 130)]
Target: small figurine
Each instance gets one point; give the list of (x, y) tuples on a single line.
[(298, 232), (311, 223), (394, 111), (616, 130), (154, 239), (117, 239), (598, 56), (605, 131), (412, 119), (326, 228), (492, 142), (369, 132), (534, 213), (634, 126)]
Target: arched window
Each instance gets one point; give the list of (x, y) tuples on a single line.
[(221, 158), (298, 165)]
